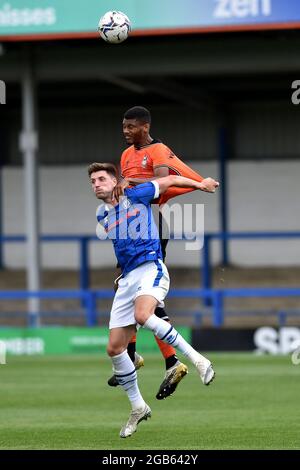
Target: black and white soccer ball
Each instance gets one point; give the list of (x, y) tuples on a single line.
[(114, 27)]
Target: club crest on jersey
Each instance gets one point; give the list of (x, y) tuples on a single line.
[(126, 203), (145, 161)]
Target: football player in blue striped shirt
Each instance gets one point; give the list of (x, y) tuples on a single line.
[(145, 279)]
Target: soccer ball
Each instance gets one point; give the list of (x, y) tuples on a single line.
[(114, 27)]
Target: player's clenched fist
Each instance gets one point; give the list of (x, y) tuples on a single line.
[(209, 185), (119, 189)]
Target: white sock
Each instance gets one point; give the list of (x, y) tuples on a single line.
[(126, 375), (167, 333)]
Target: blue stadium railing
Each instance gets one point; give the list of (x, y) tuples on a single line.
[(209, 237), (211, 297), (84, 241), (89, 299)]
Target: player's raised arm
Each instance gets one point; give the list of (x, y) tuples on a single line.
[(158, 173), (125, 182), (208, 185)]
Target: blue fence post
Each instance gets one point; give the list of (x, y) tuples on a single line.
[(281, 319), (33, 320), (89, 299), (84, 274), (206, 269), (84, 263), (218, 313), (223, 156), (197, 319)]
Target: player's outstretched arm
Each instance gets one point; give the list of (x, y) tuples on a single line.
[(125, 182), (158, 173), (208, 185)]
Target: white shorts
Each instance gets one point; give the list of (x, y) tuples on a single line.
[(150, 278)]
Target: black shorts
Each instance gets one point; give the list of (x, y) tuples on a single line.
[(163, 230), (164, 242)]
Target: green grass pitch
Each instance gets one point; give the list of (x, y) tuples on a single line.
[(64, 403)]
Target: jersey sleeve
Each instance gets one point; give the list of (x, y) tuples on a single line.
[(143, 193), (173, 192), (161, 155)]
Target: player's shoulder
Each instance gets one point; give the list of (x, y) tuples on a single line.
[(139, 190), (158, 145), (127, 151), (162, 153), (139, 187)]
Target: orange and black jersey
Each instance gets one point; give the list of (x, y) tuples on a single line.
[(141, 163)]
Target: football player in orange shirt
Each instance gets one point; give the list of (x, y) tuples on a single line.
[(147, 159)]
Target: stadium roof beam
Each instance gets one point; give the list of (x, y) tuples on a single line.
[(181, 95), (124, 83), (168, 90), (204, 57)]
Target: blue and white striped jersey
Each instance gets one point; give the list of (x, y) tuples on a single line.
[(131, 227)]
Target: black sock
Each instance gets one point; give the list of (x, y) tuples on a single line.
[(161, 313), (131, 348), (171, 361)]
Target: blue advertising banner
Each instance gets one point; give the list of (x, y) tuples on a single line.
[(34, 19)]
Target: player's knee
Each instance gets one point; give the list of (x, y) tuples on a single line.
[(140, 316), (114, 349)]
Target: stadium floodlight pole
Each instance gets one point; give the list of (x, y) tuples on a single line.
[(29, 146)]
